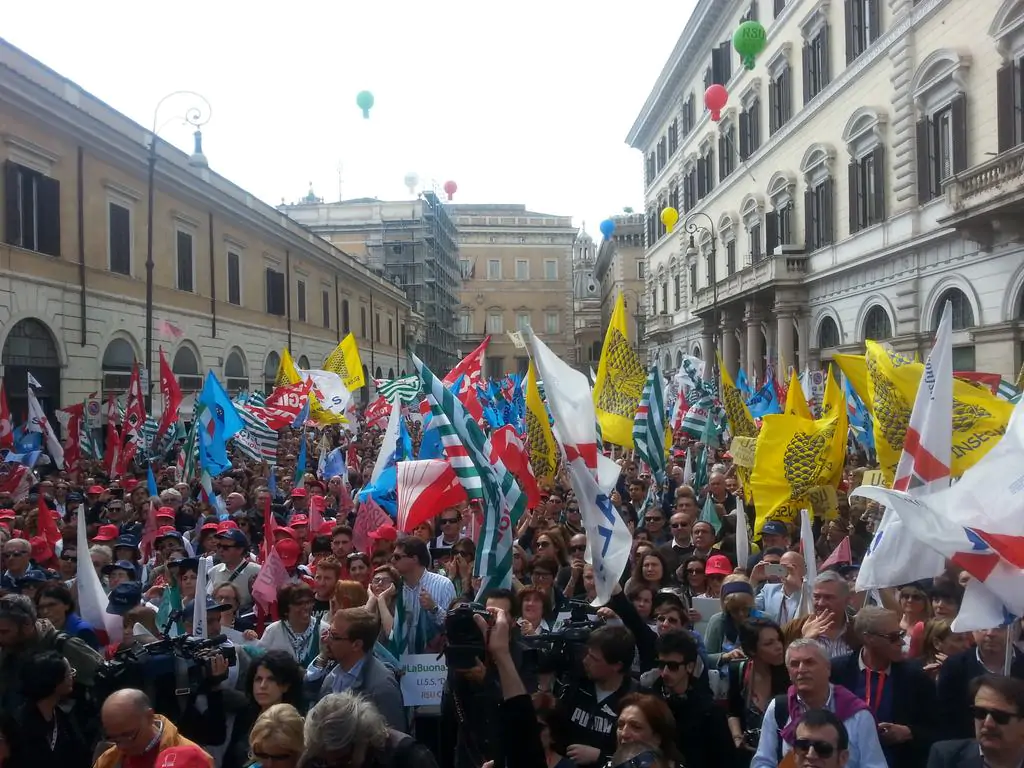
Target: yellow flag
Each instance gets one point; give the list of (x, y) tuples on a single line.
[(345, 362), (287, 373), (855, 368), (541, 440), (794, 456), (620, 381), (741, 423), (833, 403), (979, 417), (796, 403)]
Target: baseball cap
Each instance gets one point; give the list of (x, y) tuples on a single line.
[(386, 532), (289, 551), (107, 533), (124, 597), (186, 564), (299, 520), (31, 576), (227, 525), (209, 527), (235, 536), (121, 565), (130, 484), (41, 548), (128, 541), (165, 512), (211, 605), (7, 514), (668, 595), (299, 493), (168, 532), (187, 756), (95, 490), (717, 565), (775, 528)]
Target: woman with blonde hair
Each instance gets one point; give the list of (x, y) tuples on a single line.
[(276, 738)]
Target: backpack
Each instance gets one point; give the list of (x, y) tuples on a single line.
[(781, 717)]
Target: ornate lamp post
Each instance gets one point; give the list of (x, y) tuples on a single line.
[(692, 228)]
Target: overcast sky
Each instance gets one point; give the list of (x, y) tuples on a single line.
[(525, 102)]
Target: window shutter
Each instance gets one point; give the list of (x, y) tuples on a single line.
[(880, 183), (853, 185), (752, 13), (270, 291), (824, 76), (772, 102), (718, 66), (850, 32), (711, 170), (12, 216), (959, 120), (48, 213), (827, 212), (806, 63), (726, 60), (771, 232), (786, 87), (810, 220), (875, 24), (744, 130), (755, 126), (708, 76), (924, 165)]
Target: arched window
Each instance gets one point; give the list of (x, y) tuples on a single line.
[(30, 348), (828, 334), (303, 362), (668, 361), (963, 315), (270, 372), (877, 325), (391, 373), (186, 369), (679, 360), (379, 374), (236, 374), (118, 359), (344, 317), (696, 352)]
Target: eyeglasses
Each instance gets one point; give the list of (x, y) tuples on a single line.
[(821, 748), (672, 666), (395, 557), (449, 520), (381, 580), (69, 558), (355, 556), (892, 637), (912, 596), (654, 519), (124, 738), (332, 635), (542, 576), (1000, 716)]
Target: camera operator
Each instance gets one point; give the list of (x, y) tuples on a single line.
[(702, 731)]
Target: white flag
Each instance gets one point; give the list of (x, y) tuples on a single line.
[(199, 603), (389, 446), (32, 382), (742, 533), (331, 390), (37, 422), (92, 601), (591, 472)]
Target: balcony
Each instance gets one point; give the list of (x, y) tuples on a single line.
[(988, 198), (778, 270), (658, 326)]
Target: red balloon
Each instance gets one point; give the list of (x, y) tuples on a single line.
[(715, 99), (450, 187)]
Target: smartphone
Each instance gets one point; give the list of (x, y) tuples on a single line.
[(775, 570)]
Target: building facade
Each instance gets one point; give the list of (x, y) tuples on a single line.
[(621, 268), (517, 273), (412, 243), (867, 170), (586, 304), (233, 281)]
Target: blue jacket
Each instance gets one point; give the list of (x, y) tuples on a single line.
[(76, 626)]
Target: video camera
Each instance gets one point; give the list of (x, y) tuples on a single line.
[(466, 645), (561, 651)]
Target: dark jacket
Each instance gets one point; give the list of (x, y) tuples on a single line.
[(913, 705), (591, 722), (520, 733), (702, 729), (375, 682), (31, 737), (84, 659), (960, 753), (471, 726), (952, 687)]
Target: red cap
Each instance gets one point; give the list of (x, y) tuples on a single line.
[(327, 528), (298, 520), (717, 565), (289, 551), (164, 529), (209, 527), (224, 525), (386, 532), (165, 512), (130, 484), (7, 514), (41, 549), (299, 493), (188, 756), (287, 531), (95, 490), (107, 533)]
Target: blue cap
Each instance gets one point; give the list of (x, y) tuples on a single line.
[(211, 606), (31, 576), (127, 540), (168, 535), (774, 528), (121, 565), (124, 597), (235, 536)]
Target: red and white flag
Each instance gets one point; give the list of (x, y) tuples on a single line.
[(425, 487), (470, 368), (172, 399), (895, 555), (6, 425), (37, 422), (135, 409), (272, 576), (510, 449), (113, 446)]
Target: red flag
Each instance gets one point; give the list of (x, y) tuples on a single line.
[(15, 479), (471, 369), (507, 446), (377, 412), (113, 447), (283, 405), (172, 398), (271, 577), (317, 504), (149, 531), (369, 518), (47, 525), (124, 459), (840, 555), (73, 446), (424, 487), (269, 532), (6, 426)]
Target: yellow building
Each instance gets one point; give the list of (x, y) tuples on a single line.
[(234, 281), (517, 273)]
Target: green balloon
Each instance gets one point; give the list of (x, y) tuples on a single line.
[(364, 100), (749, 40)]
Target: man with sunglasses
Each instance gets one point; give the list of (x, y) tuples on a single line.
[(234, 567), (18, 559), (899, 694), (451, 529), (822, 741), (998, 713)]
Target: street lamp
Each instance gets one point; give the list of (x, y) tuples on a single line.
[(692, 227), (196, 116)]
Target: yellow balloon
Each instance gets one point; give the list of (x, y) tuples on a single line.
[(669, 217)]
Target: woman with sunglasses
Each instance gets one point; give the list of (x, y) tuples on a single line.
[(753, 682), (915, 611), (463, 555), (276, 739)]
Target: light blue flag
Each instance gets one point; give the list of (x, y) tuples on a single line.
[(742, 384), (218, 423), (334, 464), (151, 481), (300, 462), (764, 401)]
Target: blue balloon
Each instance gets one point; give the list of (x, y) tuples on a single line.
[(607, 228)]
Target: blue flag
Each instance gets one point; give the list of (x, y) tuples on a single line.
[(28, 459), (27, 442), (431, 446), (742, 384), (334, 464), (300, 462), (764, 401), (218, 423), (272, 483), (151, 481)]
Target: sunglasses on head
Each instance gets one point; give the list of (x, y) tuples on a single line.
[(821, 748), (1001, 717), (643, 760)]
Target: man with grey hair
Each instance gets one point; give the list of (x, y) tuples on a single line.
[(809, 665), (18, 556), (345, 730), (831, 623), (899, 694)]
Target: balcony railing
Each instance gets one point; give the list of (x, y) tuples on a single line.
[(658, 324), (787, 268), (985, 183)]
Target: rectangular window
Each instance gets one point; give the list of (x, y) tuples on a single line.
[(862, 26), (693, 281), (185, 262), (673, 137), (551, 322), (750, 129), (550, 269), (465, 323), (867, 190), (777, 6), (815, 61), (495, 367), (522, 321), (119, 224), (376, 326), (300, 299), (391, 332), (1010, 104), (730, 257), (522, 269), (345, 327), (963, 359), (325, 304), (362, 323), (464, 269), (688, 116), (756, 253), (818, 216), (234, 279), (941, 147), (677, 292), (495, 322), (780, 100), (275, 293), (664, 298), (32, 209), (726, 152), (494, 269), (641, 269)]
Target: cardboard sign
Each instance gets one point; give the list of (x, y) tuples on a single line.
[(423, 678), (873, 477), (824, 502), (742, 450)]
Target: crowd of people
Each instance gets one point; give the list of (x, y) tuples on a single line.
[(697, 660)]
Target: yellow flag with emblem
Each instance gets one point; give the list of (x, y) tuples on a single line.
[(346, 362), (979, 417), (796, 403), (741, 423), (833, 403), (543, 451), (794, 456), (620, 381), (288, 373)]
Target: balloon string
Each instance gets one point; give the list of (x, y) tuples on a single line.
[(746, 166)]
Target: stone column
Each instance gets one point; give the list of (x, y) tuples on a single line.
[(707, 348), (730, 348), (804, 341), (752, 360), (785, 351)]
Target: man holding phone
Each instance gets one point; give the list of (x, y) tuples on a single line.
[(780, 601)]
